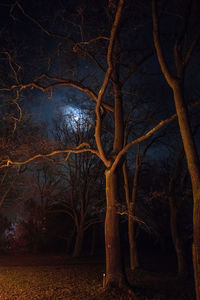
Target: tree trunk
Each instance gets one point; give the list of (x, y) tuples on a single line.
[(114, 273), (130, 202), (194, 170), (78, 243), (174, 203), (134, 261), (187, 138), (196, 241), (176, 237)]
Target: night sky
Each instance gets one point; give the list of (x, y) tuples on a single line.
[(43, 36), (55, 57)]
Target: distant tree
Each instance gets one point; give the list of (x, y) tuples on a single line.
[(32, 226), (82, 197), (177, 193), (42, 186), (131, 189), (16, 138), (174, 194)]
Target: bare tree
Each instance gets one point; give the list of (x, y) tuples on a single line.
[(176, 82), (81, 197), (108, 99)]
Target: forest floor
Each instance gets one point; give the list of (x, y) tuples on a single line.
[(57, 277)]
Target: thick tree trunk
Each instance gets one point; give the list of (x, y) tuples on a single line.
[(194, 170), (78, 243), (114, 270), (114, 273)]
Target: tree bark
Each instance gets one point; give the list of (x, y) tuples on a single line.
[(114, 272), (194, 170)]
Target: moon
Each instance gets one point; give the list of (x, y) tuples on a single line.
[(73, 112)]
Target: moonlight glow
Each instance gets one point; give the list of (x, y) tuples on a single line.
[(73, 112)]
